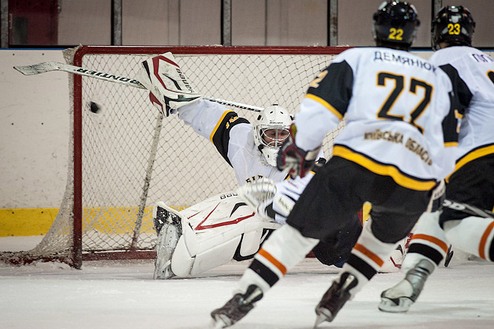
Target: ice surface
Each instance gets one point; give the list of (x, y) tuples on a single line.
[(124, 296)]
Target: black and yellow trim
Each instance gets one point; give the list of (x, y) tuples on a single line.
[(476, 153), (383, 169), (451, 144), (326, 105), (220, 136)]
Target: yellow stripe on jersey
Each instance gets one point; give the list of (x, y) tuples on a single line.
[(218, 124), (384, 170), (451, 144), (326, 105), (478, 153)]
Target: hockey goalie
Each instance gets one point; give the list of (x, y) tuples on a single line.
[(230, 226)]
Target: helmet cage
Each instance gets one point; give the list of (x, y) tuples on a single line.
[(273, 135), (271, 129)]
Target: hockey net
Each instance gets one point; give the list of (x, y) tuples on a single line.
[(127, 157)]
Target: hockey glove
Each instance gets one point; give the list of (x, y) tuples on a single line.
[(291, 157), (169, 86), (165, 109), (259, 192)]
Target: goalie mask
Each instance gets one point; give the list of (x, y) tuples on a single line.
[(453, 25), (271, 128)]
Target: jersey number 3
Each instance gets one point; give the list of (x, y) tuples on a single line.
[(399, 84)]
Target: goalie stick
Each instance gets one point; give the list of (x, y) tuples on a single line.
[(57, 66)]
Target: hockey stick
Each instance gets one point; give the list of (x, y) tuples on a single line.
[(56, 66), (468, 209)]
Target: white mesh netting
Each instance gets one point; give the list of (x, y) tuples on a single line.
[(132, 157)]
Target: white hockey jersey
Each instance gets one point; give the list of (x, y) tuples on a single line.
[(233, 138), (394, 105), (472, 72)]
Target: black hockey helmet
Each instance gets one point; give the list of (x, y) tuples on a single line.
[(395, 24), (453, 25)]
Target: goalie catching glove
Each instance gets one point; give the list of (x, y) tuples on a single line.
[(168, 85), (272, 201), (291, 157), (259, 192)]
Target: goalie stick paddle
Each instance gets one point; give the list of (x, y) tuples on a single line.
[(56, 66)]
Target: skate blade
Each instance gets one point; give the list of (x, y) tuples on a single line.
[(396, 305), (322, 316), (165, 246), (163, 272), (219, 323)]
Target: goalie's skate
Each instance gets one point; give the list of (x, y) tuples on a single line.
[(399, 298), (236, 308), (168, 225), (163, 214), (334, 298)]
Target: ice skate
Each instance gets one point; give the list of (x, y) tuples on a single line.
[(334, 298), (399, 298), (162, 214), (236, 308), (168, 225)]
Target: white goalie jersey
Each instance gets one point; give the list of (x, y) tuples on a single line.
[(223, 227), (233, 138)]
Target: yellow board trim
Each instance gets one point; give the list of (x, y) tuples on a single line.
[(384, 170), (26, 221), (37, 221)]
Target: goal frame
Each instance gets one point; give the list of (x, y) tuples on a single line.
[(78, 255), (77, 230)]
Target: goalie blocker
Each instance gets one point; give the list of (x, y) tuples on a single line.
[(169, 87)]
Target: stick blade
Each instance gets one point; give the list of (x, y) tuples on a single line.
[(38, 68)]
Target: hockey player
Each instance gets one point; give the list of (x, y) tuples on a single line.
[(472, 182), (392, 152), (188, 245)]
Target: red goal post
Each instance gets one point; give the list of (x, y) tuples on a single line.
[(127, 157)]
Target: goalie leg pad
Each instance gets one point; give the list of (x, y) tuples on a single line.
[(197, 252)]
